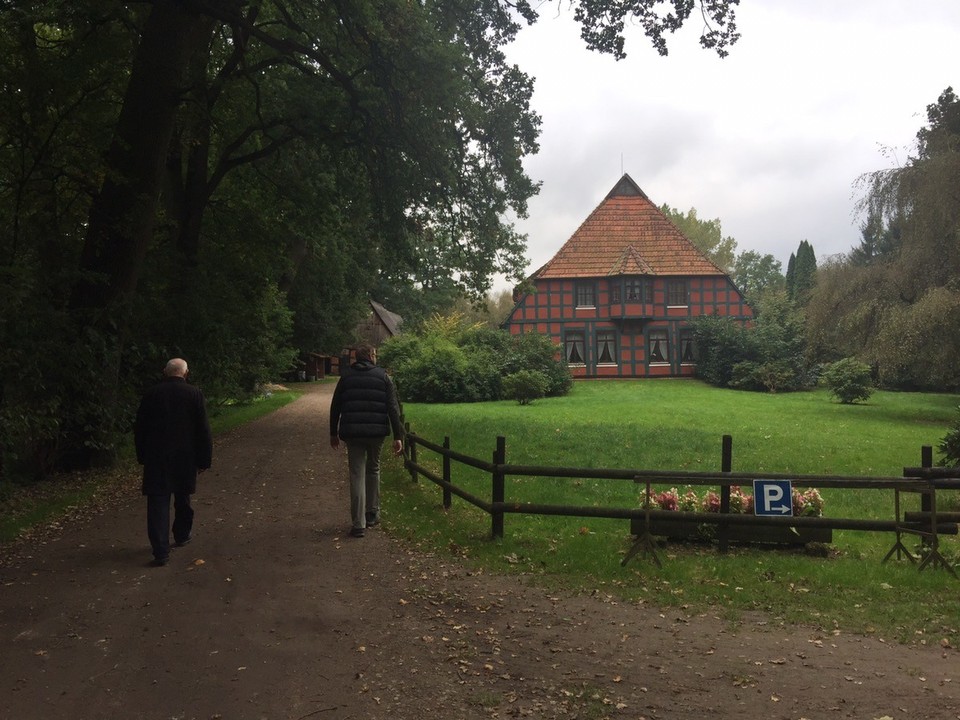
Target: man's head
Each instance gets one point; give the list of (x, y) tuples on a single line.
[(366, 353), (176, 367)]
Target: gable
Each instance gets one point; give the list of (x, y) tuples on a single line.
[(391, 321), (627, 235)]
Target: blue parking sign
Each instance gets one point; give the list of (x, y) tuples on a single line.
[(772, 497)]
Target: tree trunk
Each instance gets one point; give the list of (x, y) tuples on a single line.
[(124, 213), (122, 220)]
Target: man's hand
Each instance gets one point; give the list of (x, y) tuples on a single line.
[(334, 442), (398, 447)]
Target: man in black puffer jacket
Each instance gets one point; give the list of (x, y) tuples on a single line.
[(363, 411)]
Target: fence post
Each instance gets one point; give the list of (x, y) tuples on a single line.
[(447, 495), (726, 464), (926, 461), (499, 459), (412, 448)]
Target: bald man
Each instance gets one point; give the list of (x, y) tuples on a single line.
[(173, 441)]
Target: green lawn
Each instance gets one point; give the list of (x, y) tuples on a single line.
[(678, 425)]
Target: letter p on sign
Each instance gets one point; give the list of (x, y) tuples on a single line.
[(772, 497)]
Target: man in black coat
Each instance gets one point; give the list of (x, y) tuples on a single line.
[(174, 443), (363, 411)]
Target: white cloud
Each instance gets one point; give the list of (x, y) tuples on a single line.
[(770, 140)]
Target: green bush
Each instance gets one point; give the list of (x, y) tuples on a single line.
[(848, 380), (950, 445), (532, 351), (767, 355), (446, 362), (437, 373), (525, 386), (722, 343), (776, 376)]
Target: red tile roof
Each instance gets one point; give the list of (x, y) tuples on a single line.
[(627, 235)]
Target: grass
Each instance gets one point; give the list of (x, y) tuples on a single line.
[(678, 425), (227, 417), (29, 505)]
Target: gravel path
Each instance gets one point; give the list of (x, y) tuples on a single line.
[(274, 612)]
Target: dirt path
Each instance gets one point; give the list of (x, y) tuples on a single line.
[(273, 612)]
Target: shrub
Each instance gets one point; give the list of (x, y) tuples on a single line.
[(436, 374), (848, 380), (950, 445), (446, 362), (776, 376), (721, 344), (532, 351), (768, 355), (525, 386)]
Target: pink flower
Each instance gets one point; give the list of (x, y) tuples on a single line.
[(711, 502), (689, 502), (668, 499)]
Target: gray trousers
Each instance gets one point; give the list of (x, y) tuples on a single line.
[(363, 457)]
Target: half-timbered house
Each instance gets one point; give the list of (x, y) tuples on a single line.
[(620, 295)]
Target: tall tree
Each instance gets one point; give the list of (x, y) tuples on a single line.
[(879, 242), (178, 175), (801, 272), (706, 235), (756, 274), (899, 311)]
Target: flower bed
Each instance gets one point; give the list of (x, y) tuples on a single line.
[(806, 503)]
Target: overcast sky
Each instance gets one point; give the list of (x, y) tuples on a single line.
[(770, 140)]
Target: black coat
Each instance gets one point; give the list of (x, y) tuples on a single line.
[(172, 437), (365, 404)]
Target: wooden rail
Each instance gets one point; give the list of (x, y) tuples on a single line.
[(924, 480)]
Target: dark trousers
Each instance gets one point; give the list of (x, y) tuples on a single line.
[(158, 521)]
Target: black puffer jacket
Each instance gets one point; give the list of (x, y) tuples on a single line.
[(365, 404)]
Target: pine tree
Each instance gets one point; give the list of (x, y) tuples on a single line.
[(801, 272)]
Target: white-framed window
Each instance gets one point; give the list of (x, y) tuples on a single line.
[(677, 293), (606, 347), (573, 343), (658, 347), (586, 294)]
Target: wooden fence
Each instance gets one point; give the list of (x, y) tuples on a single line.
[(928, 524)]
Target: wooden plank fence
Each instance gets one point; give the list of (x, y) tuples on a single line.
[(926, 480)]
